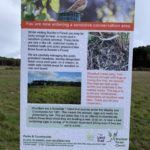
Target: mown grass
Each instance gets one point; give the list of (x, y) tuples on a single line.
[(54, 94), (9, 110)]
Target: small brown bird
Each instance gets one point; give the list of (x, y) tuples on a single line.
[(78, 6)]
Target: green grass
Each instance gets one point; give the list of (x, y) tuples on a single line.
[(9, 110), (140, 112), (54, 94)]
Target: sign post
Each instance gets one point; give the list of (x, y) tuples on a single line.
[(76, 74)]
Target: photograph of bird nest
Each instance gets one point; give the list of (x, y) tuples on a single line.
[(108, 51), (78, 10)]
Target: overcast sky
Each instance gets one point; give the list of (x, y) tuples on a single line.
[(10, 26)]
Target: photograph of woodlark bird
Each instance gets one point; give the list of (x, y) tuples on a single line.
[(79, 10)]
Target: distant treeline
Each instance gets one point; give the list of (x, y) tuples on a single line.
[(53, 83), (141, 57), (9, 62)]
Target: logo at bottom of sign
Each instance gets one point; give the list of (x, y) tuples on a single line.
[(110, 138), (114, 138)]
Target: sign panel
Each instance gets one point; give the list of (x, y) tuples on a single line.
[(76, 74)]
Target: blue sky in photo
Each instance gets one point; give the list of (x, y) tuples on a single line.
[(69, 74), (55, 76)]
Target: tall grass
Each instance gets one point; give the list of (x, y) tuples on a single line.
[(9, 109), (140, 112), (54, 94)]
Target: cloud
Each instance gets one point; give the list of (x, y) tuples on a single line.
[(142, 23), (10, 28), (54, 76)]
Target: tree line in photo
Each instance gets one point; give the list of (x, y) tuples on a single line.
[(53, 83), (141, 58)]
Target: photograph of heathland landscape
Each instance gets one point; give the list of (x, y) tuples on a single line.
[(54, 87)]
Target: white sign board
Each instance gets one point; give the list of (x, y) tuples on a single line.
[(76, 74)]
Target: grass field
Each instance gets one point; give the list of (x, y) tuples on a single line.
[(9, 110), (54, 94), (140, 112)]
